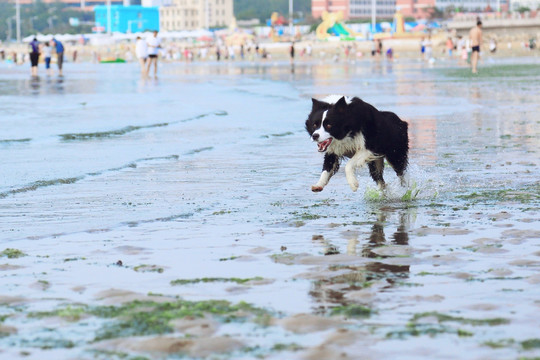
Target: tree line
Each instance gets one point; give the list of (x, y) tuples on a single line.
[(40, 17)]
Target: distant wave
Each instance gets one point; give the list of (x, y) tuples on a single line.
[(277, 135), (283, 97), (131, 128), (106, 134), (40, 184), (196, 151), (10, 141), (136, 223), (71, 180)]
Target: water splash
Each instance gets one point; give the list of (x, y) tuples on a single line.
[(420, 185)]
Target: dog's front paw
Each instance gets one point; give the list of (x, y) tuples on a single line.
[(353, 183), (316, 188)]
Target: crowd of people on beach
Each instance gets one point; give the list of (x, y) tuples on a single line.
[(218, 52), (47, 48), (147, 50), (467, 48)]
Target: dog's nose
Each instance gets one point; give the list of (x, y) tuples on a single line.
[(315, 136)]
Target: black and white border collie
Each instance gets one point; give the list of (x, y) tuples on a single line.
[(346, 127)]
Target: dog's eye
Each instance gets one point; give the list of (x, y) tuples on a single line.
[(328, 126)]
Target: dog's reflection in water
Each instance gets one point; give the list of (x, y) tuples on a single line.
[(330, 291)]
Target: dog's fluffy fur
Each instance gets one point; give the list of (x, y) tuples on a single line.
[(351, 128)]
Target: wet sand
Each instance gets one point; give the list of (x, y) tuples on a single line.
[(173, 217)]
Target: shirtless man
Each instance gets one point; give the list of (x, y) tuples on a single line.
[(475, 36)]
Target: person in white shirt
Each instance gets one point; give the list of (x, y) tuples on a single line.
[(154, 43), (47, 53), (141, 52)]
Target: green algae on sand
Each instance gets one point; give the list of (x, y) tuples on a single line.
[(12, 253), (209, 280), (491, 72), (352, 311), (416, 326), (139, 318)]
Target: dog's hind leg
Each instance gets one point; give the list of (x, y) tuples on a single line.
[(330, 167), (399, 164), (376, 169)]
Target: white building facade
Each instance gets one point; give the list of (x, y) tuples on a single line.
[(362, 8), (467, 5), (531, 4), (177, 15)]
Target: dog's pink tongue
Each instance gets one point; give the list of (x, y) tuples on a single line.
[(324, 144)]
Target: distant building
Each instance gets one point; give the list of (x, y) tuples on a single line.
[(128, 19), (318, 7), (531, 4), (83, 4), (196, 14), (419, 9), (354, 8), (467, 5), (504, 4), (362, 9), (156, 2)]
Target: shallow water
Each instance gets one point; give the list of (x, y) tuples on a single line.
[(206, 173)]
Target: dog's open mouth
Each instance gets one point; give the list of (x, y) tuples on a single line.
[(323, 145)]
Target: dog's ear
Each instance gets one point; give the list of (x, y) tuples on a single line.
[(341, 104), (318, 105)]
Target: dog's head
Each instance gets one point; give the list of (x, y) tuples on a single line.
[(326, 123)]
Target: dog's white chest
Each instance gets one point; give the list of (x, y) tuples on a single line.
[(348, 146)]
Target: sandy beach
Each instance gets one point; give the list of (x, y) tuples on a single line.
[(172, 217), (509, 44)]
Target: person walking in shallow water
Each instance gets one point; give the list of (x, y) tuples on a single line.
[(47, 54), (154, 44), (34, 56), (475, 35), (59, 55), (141, 52)]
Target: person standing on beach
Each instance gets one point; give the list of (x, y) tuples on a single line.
[(475, 35), (154, 43), (47, 54), (59, 55), (141, 52), (291, 52), (449, 46), (492, 45), (428, 48), (34, 56)]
